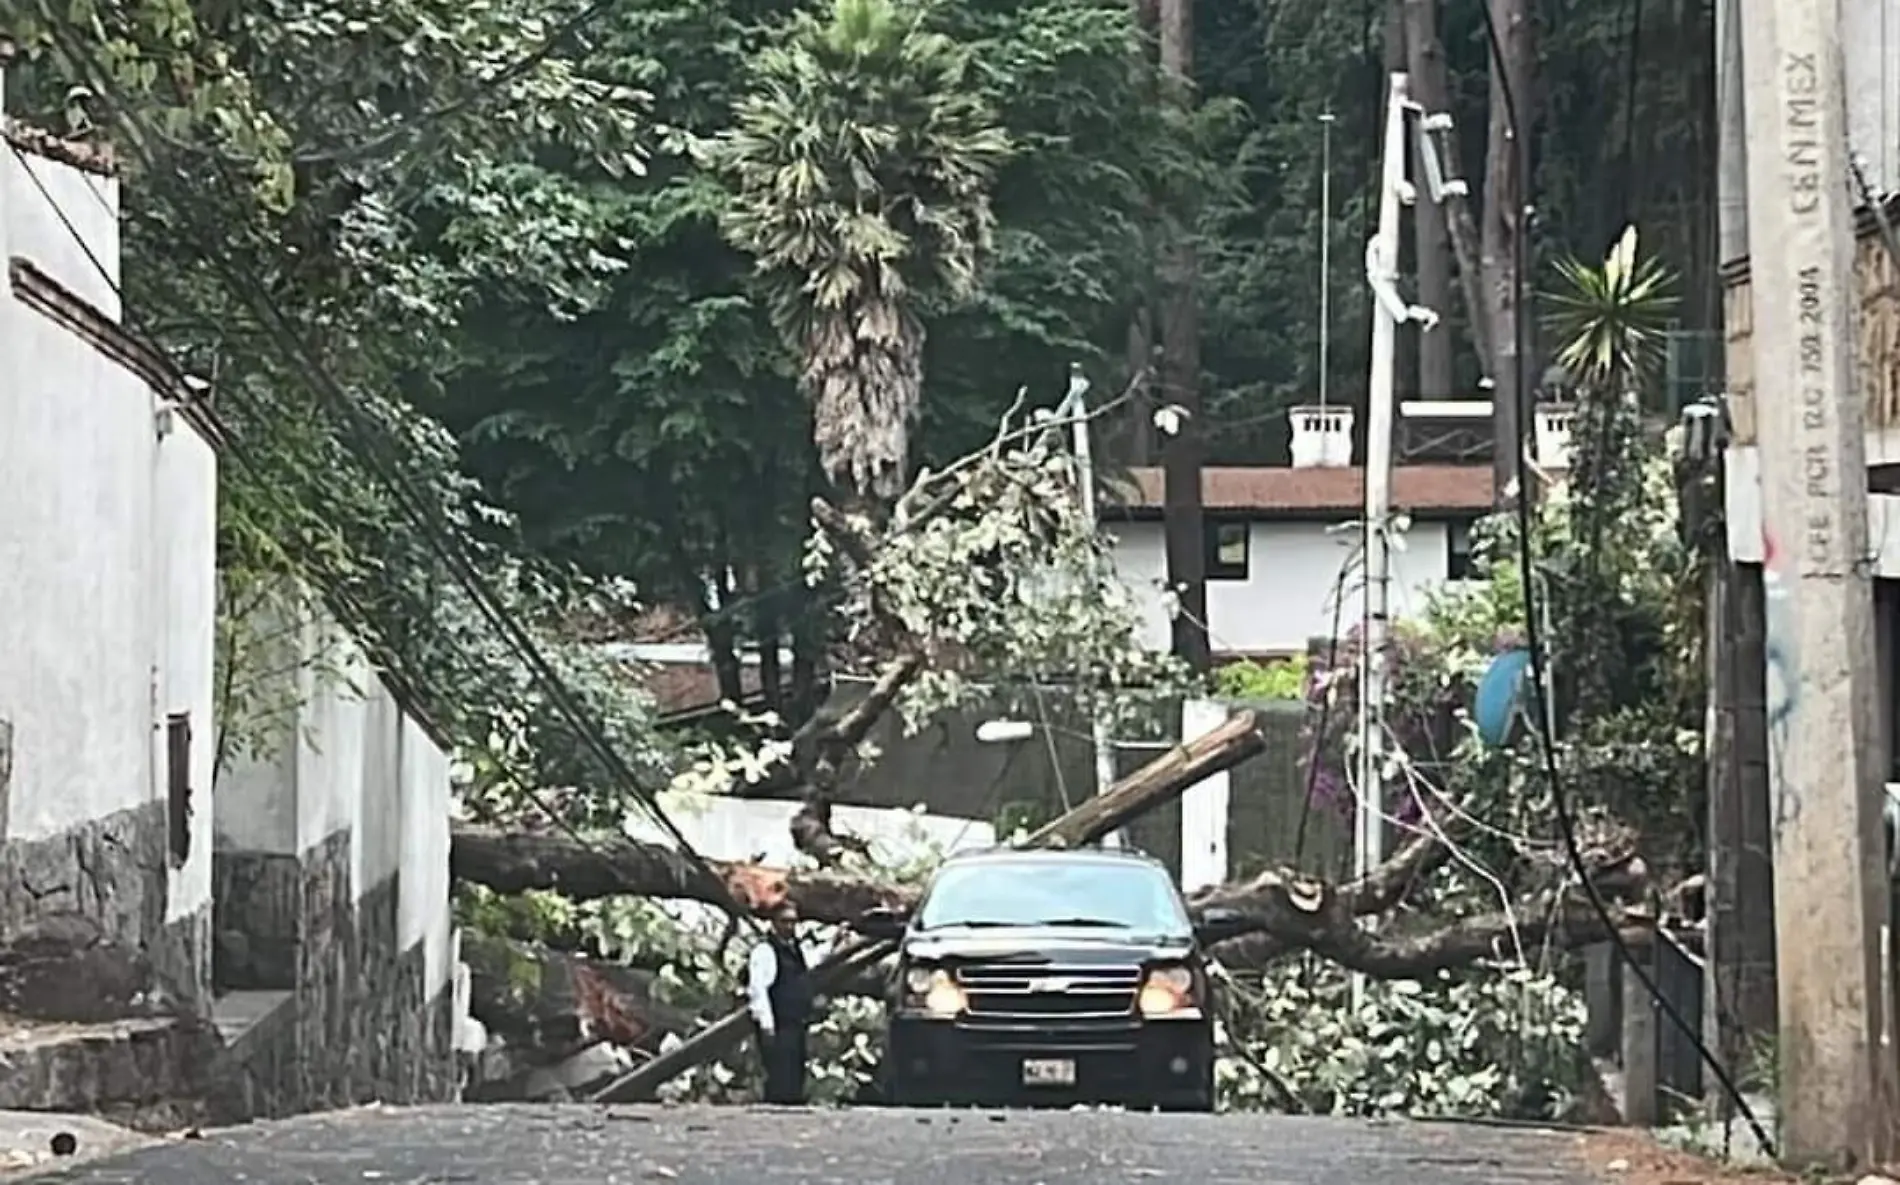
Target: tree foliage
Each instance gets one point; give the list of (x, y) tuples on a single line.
[(606, 292), (862, 160)]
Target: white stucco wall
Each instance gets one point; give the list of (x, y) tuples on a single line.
[(423, 908), (378, 855), (1870, 42), (721, 827), (1743, 506), (330, 735), (184, 523), (35, 228), (106, 534), (345, 755), (1288, 595)]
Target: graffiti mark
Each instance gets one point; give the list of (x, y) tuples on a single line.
[(1783, 678)]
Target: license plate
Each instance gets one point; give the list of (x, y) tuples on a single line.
[(1048, 1072)]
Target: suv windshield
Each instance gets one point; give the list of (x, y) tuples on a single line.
[(1091, 893)]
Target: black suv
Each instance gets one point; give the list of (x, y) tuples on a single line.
[(1050, 977)]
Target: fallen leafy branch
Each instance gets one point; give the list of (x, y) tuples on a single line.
[(1161, 780), (515, 862)]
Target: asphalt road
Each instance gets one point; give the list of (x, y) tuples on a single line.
[(580, 1145)]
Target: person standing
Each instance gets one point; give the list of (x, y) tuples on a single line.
[(778, 992)]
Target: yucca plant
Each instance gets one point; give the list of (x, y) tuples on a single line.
[(861, 163), (1612, 621), (1611, 321)]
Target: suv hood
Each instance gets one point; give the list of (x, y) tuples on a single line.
[(1044, 944)]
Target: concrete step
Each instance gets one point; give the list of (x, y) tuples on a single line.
[(155, 1068)]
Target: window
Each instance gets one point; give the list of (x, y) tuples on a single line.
[(178, 785), (1107, 894), (1458, 550), (1226, 547)]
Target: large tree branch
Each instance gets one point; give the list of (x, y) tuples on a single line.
[(516, 862), (513, 862), (823, 747)]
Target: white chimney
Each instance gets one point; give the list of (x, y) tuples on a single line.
[(1553, 424), (1322, 437)]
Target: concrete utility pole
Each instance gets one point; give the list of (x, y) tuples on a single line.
[(1835, 1094)]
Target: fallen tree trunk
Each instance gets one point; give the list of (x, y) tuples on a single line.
[(514, 862), (1160, 781)]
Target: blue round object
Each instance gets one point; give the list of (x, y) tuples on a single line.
[(1500, 696)]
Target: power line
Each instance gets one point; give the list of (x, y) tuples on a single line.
[(1541, 722)]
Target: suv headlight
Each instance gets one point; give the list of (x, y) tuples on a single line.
[(1168, 991), (933, 990)]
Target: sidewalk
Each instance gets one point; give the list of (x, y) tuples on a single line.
[(27, 1140)]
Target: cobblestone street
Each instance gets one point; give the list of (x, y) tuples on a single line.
[(733, 1146)]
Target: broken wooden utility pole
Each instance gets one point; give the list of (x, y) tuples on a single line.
[(1830, 892), (1162, 780)]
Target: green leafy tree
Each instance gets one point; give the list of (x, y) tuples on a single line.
[(862, 162)]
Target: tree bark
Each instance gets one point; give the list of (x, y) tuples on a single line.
[(514, 862), (1425, 55), (1182, 452), (1431, 243), (1504, 215), (550, 1005), (770, 635), (1140, 382)]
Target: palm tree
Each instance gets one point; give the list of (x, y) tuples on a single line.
[(861, 164)]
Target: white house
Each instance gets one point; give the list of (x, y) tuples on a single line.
[(301, 904), (1280, 541)]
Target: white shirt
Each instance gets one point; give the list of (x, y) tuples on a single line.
[(761, 971)]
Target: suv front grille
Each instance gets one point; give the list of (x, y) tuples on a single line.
[(1016, 991)]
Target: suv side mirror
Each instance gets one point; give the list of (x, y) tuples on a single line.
[(882, 922), (1218, 924)]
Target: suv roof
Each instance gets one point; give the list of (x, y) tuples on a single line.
[(1005, 855)]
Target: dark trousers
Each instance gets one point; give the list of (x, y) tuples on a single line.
[(784, 1056)]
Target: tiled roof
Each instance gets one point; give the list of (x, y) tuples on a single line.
[(89, 158), (1269, 491), (682, 687)]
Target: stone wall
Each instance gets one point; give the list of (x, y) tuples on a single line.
[(351, 1019), (109, 1001), (110, 877)]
